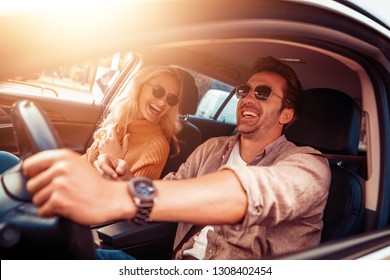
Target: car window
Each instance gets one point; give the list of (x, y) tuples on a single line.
[(87, 81), (363, 135), (212, 100), (212, 95)]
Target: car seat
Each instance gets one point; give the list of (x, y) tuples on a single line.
[(189, 136), (330, 120)]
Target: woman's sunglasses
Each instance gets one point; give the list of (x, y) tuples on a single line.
[(159, 92), (261, 92)]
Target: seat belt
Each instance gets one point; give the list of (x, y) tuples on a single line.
[(192, 231), (361, 160)]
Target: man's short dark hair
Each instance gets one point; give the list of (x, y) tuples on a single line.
[(293, 92)]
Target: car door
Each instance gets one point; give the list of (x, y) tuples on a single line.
[(373, 243)]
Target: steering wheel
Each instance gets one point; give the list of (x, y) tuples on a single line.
[(23, 233)]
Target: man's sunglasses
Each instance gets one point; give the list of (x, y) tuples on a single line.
[(159, 92), (261, 92)]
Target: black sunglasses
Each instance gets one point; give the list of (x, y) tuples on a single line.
[(159, 92), (261, 92)]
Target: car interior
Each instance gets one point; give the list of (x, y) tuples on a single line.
[(339, 117), (329, 112), (332, 122), (324, 112)]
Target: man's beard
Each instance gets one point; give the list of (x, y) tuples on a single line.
[(248, 131), (260, 129)]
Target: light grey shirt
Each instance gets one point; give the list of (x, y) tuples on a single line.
[(286, 186)]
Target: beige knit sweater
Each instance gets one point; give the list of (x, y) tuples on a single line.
[(147, 153)]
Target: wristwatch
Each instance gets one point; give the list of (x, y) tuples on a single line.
[(143, 193)]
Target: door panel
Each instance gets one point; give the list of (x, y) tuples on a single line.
[(358, 246), (7, 140), (75, 136), (74, 121)]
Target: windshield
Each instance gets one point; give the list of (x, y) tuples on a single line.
[(377, 8), (87, 81)]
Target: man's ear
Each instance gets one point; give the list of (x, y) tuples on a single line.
[(286, 115)]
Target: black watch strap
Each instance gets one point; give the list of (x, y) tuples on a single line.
[(142, 215)]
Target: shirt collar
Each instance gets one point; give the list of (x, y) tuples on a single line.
[(271, 146)]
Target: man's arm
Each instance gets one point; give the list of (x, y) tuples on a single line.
[(212, 199), (62, 183)]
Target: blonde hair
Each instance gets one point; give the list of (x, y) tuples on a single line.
[(125, 109)]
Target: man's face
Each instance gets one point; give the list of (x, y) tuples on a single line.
[(263, 118)]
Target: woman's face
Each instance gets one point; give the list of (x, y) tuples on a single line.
[(152, 108)]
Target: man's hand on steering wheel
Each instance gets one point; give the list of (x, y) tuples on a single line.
[(65, 184)]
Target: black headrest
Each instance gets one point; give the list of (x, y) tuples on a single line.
[(329, 120), (189, 100)]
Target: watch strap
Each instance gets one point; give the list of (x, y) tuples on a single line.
[(142, 215), (144, 203)]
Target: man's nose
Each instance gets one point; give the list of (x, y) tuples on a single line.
[(251, 96)]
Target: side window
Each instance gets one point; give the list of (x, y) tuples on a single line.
[(228, 114), (212, 100), (212, 95), (87, 81), (363, 135)]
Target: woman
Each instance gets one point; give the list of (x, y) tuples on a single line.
[(142, 123)]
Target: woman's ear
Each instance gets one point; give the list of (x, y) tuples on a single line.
[(286, 116)]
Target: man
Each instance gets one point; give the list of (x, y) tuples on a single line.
[(256, 193)]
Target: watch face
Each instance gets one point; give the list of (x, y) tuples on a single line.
[(144, 190), (143, 193)]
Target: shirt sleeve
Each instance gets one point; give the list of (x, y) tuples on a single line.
[(289, 189), (190, 168)]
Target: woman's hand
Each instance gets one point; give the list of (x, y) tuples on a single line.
[(111, 144), (112, 168)]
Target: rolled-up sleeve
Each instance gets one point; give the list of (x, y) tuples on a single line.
[(295, 186)]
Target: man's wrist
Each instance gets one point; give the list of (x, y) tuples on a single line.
[(126, 208)]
